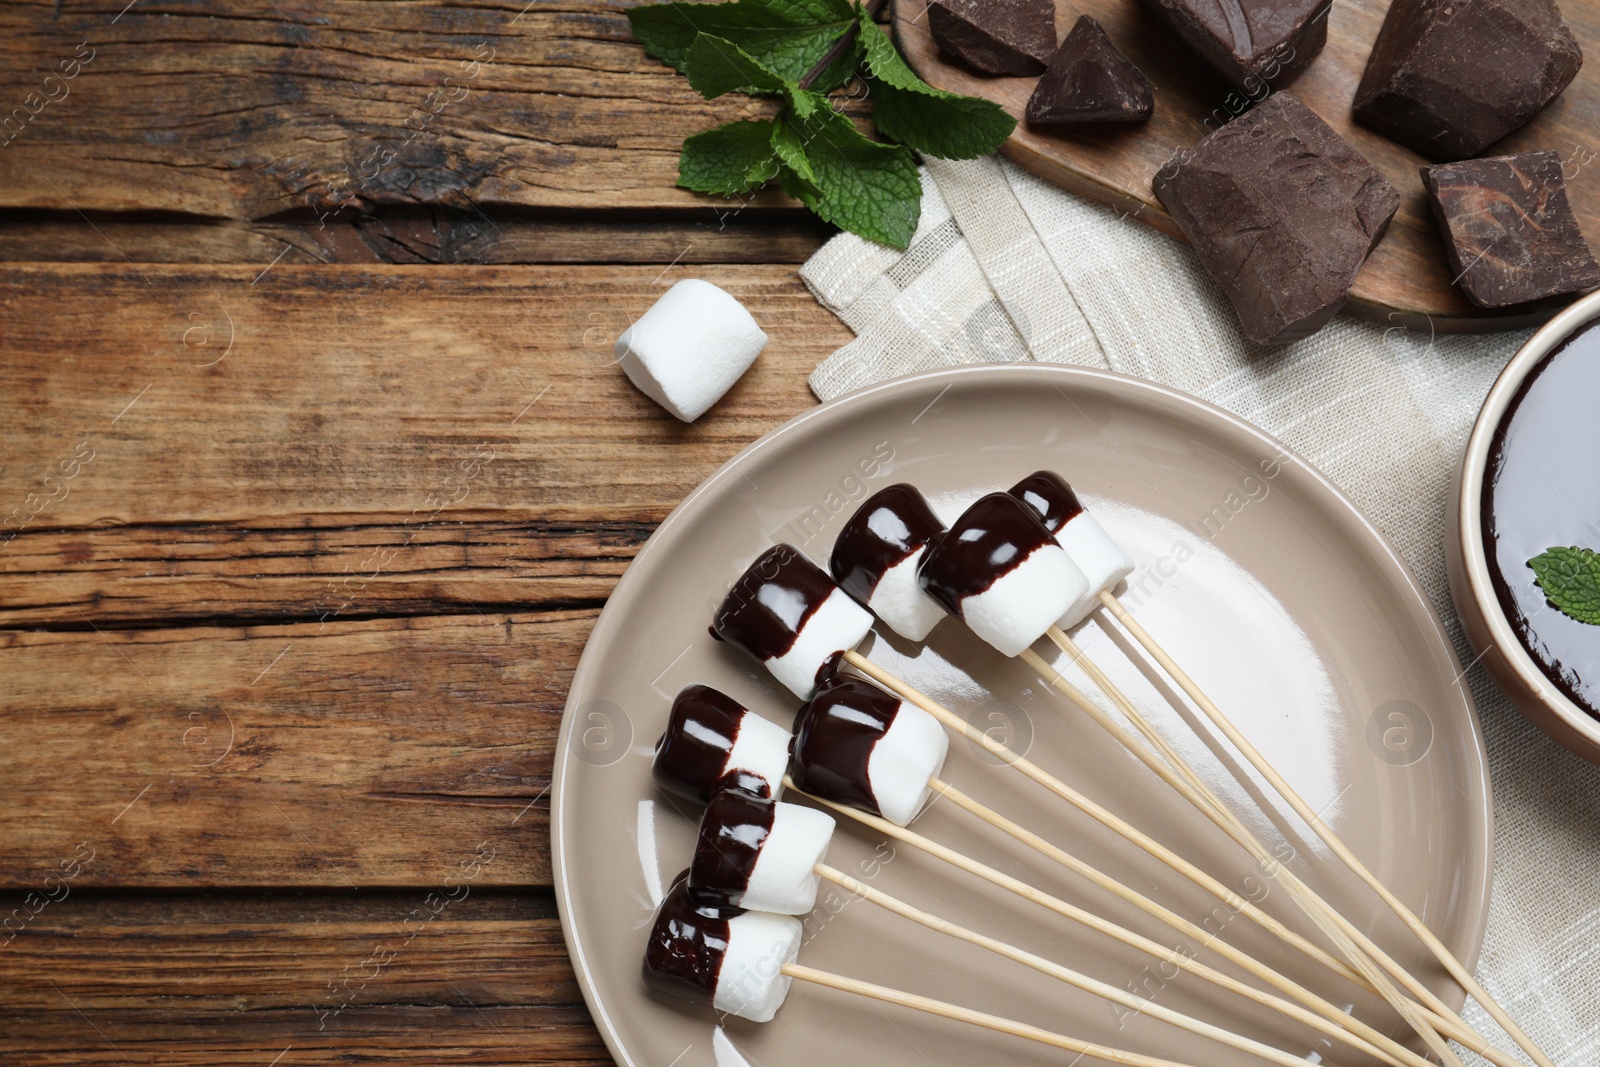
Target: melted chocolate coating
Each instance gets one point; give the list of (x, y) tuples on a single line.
[(834, 739), (891, 525), (771, 601), (732, 831), (683, 957), (988, 541), (692, 755), (1047, 493)]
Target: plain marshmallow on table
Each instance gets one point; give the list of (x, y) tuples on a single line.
[(690, 347)]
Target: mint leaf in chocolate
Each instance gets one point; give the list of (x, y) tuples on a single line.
[(734, 158), (1451, 77), (1509, 231), (930, 120), (1090, 80), (996, 36), (1570, 578), (788, 37)]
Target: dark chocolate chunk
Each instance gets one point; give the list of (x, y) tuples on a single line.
[(1282, 212), (988, 541), (1255, 44), (732, 831), (996, 36), (892, 524), (1509, 232), (1089, 80), (834, 738), (772, 599), (692, 756), (1048, 494), (688, 940), (1451, 77)]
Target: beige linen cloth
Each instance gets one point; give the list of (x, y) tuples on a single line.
[(1006, 267)]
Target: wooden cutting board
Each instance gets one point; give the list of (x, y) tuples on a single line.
[(1407, 280)]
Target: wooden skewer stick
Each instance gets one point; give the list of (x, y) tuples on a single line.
[(1137, 837), (1440, 952), (1384, 1048), (1110, 993), (946, 1010), (1361, 950), (1332, 1015)]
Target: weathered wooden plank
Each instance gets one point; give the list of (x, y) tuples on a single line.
[(455, 1033), (406, 396), (250, 108), (349, 754), (711, 234)]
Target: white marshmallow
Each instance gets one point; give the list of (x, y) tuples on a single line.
[(783, 878), (1026, 601), (899, 601), (838, 624), (911, 751), (760, 748), (751, 983), (690, 347), (1100, 559)]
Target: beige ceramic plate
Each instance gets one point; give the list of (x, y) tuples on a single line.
[(1286, 606)]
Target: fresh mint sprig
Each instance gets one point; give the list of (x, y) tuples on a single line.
[(1570, 579), (797, 51)]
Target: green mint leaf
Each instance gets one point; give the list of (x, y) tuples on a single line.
[(716, 66), (909, 110), (788, 37), (791, 151), (734, 158), (868, 188), (1570, 577)]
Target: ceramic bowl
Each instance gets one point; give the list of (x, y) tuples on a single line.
[(1489, 631)]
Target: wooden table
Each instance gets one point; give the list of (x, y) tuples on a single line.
[(315, 475)]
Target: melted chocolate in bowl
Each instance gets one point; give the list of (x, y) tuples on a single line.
[(1541, 490), (892, 524), (687, 943), (835, 737), (988, 541), (732, 832), (771, 600)]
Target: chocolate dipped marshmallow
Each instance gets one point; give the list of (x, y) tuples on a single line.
[(760, 855), (725, 957), (712, 742), (1002, 573), (1100, 559), (857, 745), (786, 612), (876, 555)]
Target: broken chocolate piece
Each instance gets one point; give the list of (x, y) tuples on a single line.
[(1509, 232), (996, 36), (1252, 43), (1451, 77), (1282, 212), (1090, 80)]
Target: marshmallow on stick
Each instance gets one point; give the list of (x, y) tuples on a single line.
[(786, 612), (876, 555), (857, 745), (712, 742), (1102, 561), (760, 855), (1001, 572), (725, 957)]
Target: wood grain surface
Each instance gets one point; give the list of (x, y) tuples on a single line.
[(1407, 280)]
